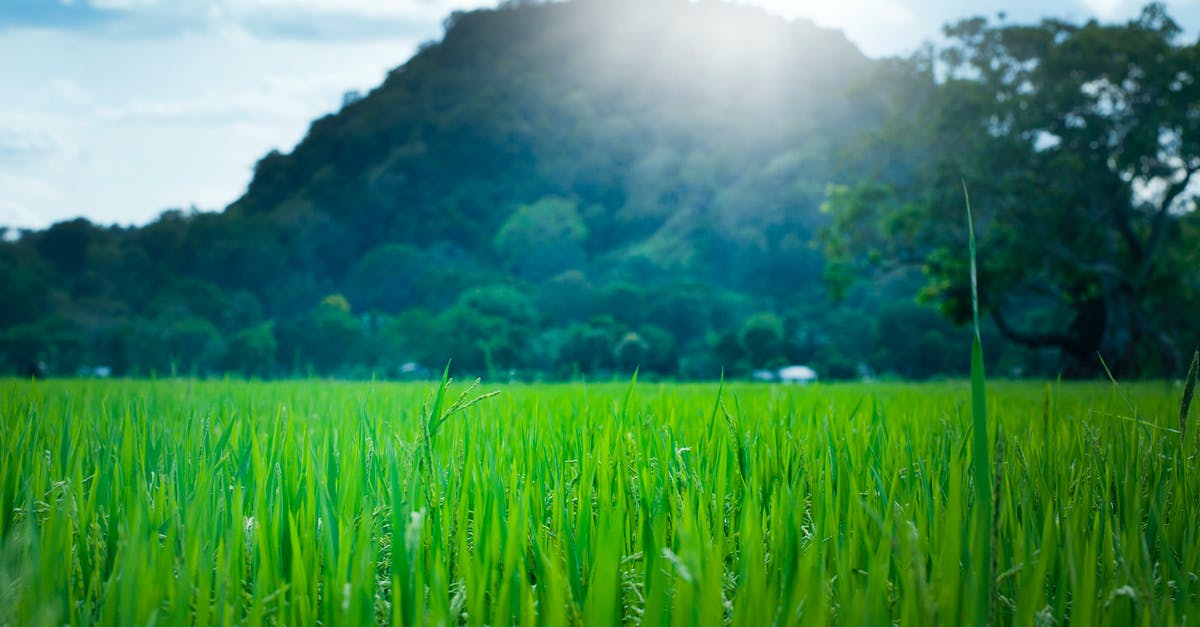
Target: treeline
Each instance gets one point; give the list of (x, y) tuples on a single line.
[(116, 316), (500, 331)]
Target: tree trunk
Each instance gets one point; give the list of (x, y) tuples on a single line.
[(1110, 329), (1107, 326), (1123, 328), (1106, 330)]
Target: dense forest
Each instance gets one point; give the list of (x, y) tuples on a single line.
[(589, 187)]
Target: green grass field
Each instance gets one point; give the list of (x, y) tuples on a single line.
[(179, 502)]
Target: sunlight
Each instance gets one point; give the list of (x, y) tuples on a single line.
[(875, 26)]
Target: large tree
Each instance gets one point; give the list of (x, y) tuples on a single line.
[(1080, 146)]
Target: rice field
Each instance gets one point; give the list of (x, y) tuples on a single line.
[(225, 502)]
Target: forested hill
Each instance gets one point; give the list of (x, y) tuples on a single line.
[(565, 187), (661, 138)]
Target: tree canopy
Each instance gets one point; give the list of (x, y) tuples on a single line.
[(1079, 145)]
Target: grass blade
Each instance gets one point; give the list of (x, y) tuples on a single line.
[(1186, 402), (980, 465)]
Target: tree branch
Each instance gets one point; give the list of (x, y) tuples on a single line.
[(1125, 228), (1032, 339), (1160, 219), (1094, 267)]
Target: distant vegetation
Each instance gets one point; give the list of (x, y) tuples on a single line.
[(586, 188)]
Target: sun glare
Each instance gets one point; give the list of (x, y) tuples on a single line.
[(876, 26)]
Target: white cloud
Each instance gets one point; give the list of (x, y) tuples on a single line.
[(368, 8), (296, 19), (22, 194), (14, 215), (19, 146), (121, 5), (65, 92), (877, 27), (1104, 9), (846, 14), (121, 129)]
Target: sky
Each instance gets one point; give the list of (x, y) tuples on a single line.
[(116, 110)]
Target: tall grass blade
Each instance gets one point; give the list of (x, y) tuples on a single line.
[(1186, 402), (980, 465)]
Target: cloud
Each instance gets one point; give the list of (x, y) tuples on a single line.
[(119, 5), (22, 194), (267, 19), (270, 24), (50, 14), (276, 97), (15, 216), (119, 129), (21, 147), (1104, 9), (64, 93)]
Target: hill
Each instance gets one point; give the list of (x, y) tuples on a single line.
[(565, 187)]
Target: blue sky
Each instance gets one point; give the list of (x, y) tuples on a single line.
[(118, 109)]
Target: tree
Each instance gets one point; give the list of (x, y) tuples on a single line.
[(626, 303), (487, 329), (251, 351), (761, 339), (56, 344), (65, 244), (566, 297), (587, 347), (326, 338), (913, 342), (21, 282), (542, 239), (630, 352), (410, 336), (661, 354), (383, 279), (394, 277), (191, 344), (1079, 145)]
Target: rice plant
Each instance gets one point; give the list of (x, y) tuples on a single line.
[(222, 502)]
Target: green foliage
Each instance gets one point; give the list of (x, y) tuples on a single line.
[(587, 347), (566, 297), (630, 351), (542, 239), (392, 278), (487, 328), (252, 351), (916, 343), (191, 344), (662, 350), (56, 342), (409, 337), (324, 340), (761, 339), (1189, 388), (981, 468), (382, 280), (197, 503), (22, 278), (1062, 131), (335, 303)]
